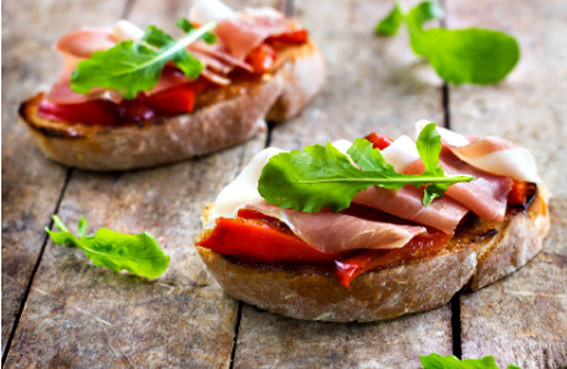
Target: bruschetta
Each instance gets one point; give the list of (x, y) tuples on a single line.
[(260, 66), (296, 234)]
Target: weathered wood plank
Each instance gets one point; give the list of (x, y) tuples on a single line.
[(523, 318), (31, 184), (374, 84), (79, 315)]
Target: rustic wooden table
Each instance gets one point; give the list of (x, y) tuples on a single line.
[(60, 311)]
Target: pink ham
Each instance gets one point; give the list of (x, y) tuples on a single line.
[(243, 34), (61, 93), (443, 213), (491, 154), (337, 232), (82, 43), (499, 156), (486, 195)]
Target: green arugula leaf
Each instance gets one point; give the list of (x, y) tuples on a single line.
[(471, 55), (187, 27), (320, 177), (436, 361), (139, 254), (131, 67), (391, 23)]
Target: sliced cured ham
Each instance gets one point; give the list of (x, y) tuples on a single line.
[(82, 43), (336, 232), (243, 34), (491, 154), (217, 53), (500, 157), (486, 195), (443, 213)]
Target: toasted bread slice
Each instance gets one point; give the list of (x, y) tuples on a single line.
[(476, 256), (223, 117)]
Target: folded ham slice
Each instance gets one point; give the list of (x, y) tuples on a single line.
[(486, 195), (443, 213), (244, 33), (337, 232), (82, 43), (491, 154)]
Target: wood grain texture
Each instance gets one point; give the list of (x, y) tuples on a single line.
[(78, 315), (523, 318), (31, 184), (269, 341), (373, 84)]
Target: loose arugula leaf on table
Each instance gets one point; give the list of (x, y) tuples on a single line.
[(131, 67), (139, 254), (436, 361), (471, 55), (320, 177)]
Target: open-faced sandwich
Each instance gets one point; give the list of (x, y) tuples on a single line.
[(129, 99), (376, 228)]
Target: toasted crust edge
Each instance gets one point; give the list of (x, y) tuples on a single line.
[(277, 96), (313, 293)]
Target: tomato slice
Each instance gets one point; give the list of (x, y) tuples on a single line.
[(420, 246), (379, 141), (297, 37), (94, 112), (519, 193), (262, 58), (260, 240)]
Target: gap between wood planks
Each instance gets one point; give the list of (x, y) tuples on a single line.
[(34, 270), (455, 302), (128, 5), (288, 8)]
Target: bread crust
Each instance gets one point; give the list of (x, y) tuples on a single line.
[(229, 117), (314, 293)]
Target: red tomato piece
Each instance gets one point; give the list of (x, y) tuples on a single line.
[(298, 36), (519, 193), (262, 58), (175, 100), (94, 112), (259, 240), (379, 141), (420, 246)]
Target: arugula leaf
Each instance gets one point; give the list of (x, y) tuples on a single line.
[(391, 23), (140, 254), (320, 177), (187, 27), (471, 55), (436, 361), (131, 67)]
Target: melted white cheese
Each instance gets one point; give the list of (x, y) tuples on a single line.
[(204, 11), (125, 30), (450, 137), (244, 189), (401, 153)]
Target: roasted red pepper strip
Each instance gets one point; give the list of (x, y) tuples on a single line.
[(262, 58), (296, 37), (260, 240), (175, 100), (518, 194), (379, 141), (420, 246), (94, 112)]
